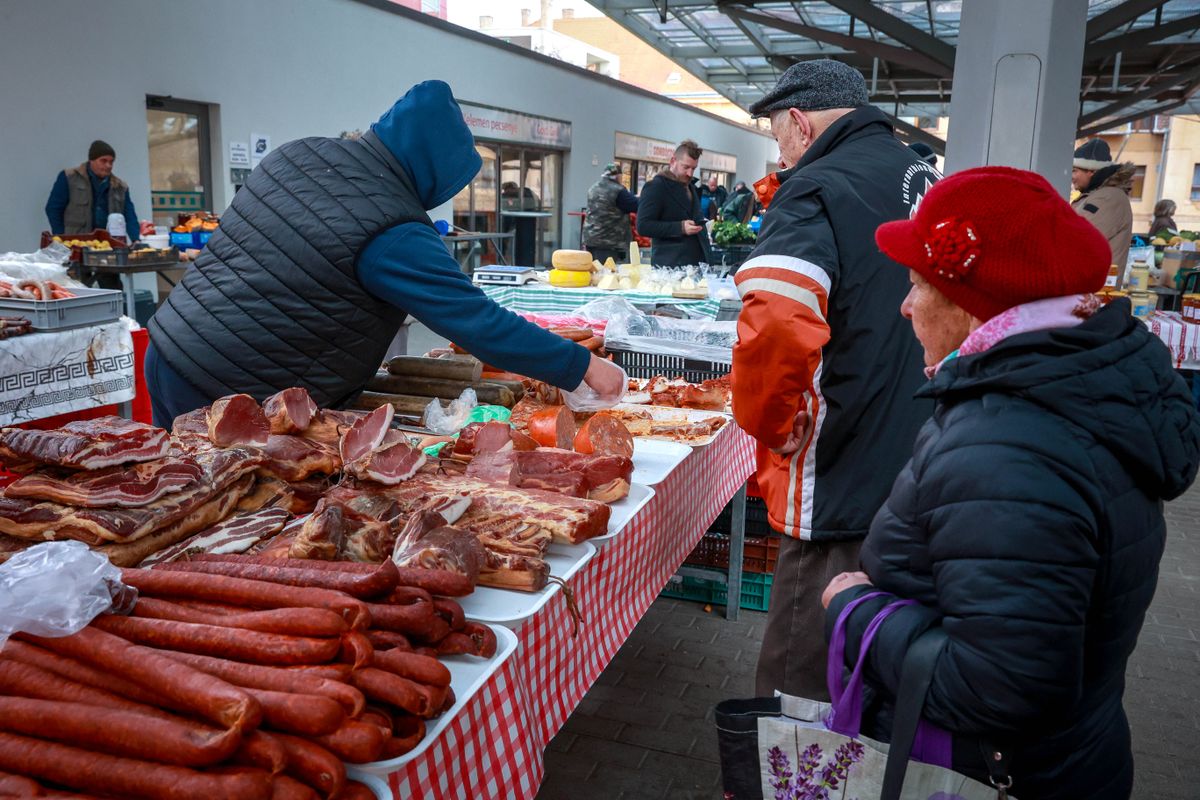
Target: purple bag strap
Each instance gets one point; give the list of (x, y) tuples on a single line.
[(837, 646), (845, 717)]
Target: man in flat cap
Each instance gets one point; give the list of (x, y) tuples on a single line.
[(825, 368), (1104, 201)]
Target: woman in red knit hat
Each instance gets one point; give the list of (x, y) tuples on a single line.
[(1028, 525)]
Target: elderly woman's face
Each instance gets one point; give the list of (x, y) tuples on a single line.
[(940, 325)]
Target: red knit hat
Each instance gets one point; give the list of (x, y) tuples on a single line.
[(995, 237)]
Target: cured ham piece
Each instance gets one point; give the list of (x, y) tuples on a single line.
[(602, 478), (236, 534), (568, 483), (268, 493), (290, 411), (512, 571), (193, 422), (389, 464), (330, 424), (428, 542), (126, 487), (366, 434), (46, 520), (293, 458), (85, 444), (237, 419), (484, 437)]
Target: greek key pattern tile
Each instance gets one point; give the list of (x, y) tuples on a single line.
[(61, 373), (67, 395)]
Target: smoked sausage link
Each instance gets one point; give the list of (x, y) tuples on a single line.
[(214, 640)]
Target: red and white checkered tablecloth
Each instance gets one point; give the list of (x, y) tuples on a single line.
[(1182, 338), (494, 748)]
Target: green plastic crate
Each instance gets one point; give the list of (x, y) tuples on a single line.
[(756, 590)]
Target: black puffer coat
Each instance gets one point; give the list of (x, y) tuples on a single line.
[(1029, 526)]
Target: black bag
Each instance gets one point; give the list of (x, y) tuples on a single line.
[(737, 742)]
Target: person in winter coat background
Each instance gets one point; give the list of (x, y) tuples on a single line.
[(1104, 201), (606, 229), (1164, 219), (740, 205), (319, 259), (1029, 523), (824, 371), (669, 212), (712, 197)]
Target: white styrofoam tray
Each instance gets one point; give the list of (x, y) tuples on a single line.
[(467, 675), (624, 510), (510, 606), (655, 459), (376, 784), (667, 413)]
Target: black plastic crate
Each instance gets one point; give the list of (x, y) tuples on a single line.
[(756, 518), (648, 365)]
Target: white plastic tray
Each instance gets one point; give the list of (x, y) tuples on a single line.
[(509, 606), (467, 676), (654, 459), (676, 414), (623, 511), (377, 785)]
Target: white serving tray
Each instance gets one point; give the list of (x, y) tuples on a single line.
[(655, 459), (509, 606), (624, 510), (467, 675), (377, 785), (675, 414)]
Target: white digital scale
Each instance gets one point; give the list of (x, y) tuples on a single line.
[(505, 276)]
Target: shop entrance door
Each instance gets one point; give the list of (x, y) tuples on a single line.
[(530, 202), (180, 161)]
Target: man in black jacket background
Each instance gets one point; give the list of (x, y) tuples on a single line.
[(669, 212)]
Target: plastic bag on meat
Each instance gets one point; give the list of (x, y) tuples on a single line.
[(585, 398), (453, 417), (607, 309), (705, 340), (57, 588)]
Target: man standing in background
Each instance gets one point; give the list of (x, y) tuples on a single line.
[(606, 230), (712, 197), (825, 367), (669, 212), (1105, 199)]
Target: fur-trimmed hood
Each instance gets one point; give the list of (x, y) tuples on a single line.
[(1119, 176)]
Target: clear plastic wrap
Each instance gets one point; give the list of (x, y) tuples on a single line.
[(585, 398), (701, 339), (57, 588), (450, 419), (47, 264)]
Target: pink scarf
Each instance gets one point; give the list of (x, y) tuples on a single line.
[(1040, 315)]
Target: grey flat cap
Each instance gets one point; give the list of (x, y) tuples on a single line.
[(815, 86)]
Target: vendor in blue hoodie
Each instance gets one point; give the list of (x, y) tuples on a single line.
[(324, 251)]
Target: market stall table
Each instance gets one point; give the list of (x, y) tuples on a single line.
[(43, 374), (1182, 338), (494, 748), (541, 298)]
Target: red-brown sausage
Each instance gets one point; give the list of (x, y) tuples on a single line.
[(385, 687), (421, 669), (408, 733), (356, 791), (78, 672), (355, 741), (313, 765), (256, 676), (330, 672), (435, 698), (301, 714), (26, 680), (356, 650), (449, 702), (19, 786), (124, 777), (437, 630), (313, 622), (457, 643), (119, 732), (215, 640), (483, 637), (181, 687), (436, 581), (240, 591), (363, 586), (377, 716), (604, 435), (415, 620), (286, 787), (553, 426), (450, 611), (358, 567), (407, 595), (388, 640), (262, 750)]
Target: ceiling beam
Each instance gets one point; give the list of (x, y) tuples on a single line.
[(1152, 89), (886, 52), (917, 134), (898, 29), (1083, 133), (1143, 36), (1117, 16)]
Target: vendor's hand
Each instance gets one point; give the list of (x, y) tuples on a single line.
[(690, 228), (605, 378), (842, 582), (795, 436)]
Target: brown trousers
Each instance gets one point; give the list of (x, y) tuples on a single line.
[(794, 654)]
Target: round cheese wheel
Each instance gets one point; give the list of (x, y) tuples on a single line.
[(570, 278), (575, 260)]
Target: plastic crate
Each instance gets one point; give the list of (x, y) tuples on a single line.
[(88, 307), (757, 523), (98, 235), (756, 591), (648, 365), (124, 257), (759, 554)]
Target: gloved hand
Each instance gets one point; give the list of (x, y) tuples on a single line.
[(604, 384)]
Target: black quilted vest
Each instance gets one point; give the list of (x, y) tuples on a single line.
[(273, 301)]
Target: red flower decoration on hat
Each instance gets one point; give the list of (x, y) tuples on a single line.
[(952, 248)]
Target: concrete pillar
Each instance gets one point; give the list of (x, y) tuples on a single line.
[(1015, 99)]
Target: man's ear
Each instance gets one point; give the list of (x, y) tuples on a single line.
[(804, 123)]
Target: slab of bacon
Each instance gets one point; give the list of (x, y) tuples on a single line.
[(234, 535), (129, 487), (84, 444)]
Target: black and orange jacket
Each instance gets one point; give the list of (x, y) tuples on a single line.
[(820, 330)]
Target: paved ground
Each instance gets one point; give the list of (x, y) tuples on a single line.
[(645, 729)]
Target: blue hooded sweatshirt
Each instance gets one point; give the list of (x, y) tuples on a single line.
[(409, 266)]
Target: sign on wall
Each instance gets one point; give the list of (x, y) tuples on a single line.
[(239, 154), (500, 125), (642, 148), (260, 145)]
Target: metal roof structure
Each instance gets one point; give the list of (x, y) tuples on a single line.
[(1142, 57)]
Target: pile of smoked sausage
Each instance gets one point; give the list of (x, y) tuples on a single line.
[(235, 678)]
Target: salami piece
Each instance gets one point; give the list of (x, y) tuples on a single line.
[(553, 427), (604, 435), (219, 641)]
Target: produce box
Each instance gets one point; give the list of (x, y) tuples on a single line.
[(96, 237), (756, 591), (125, 257), (88, 307)]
